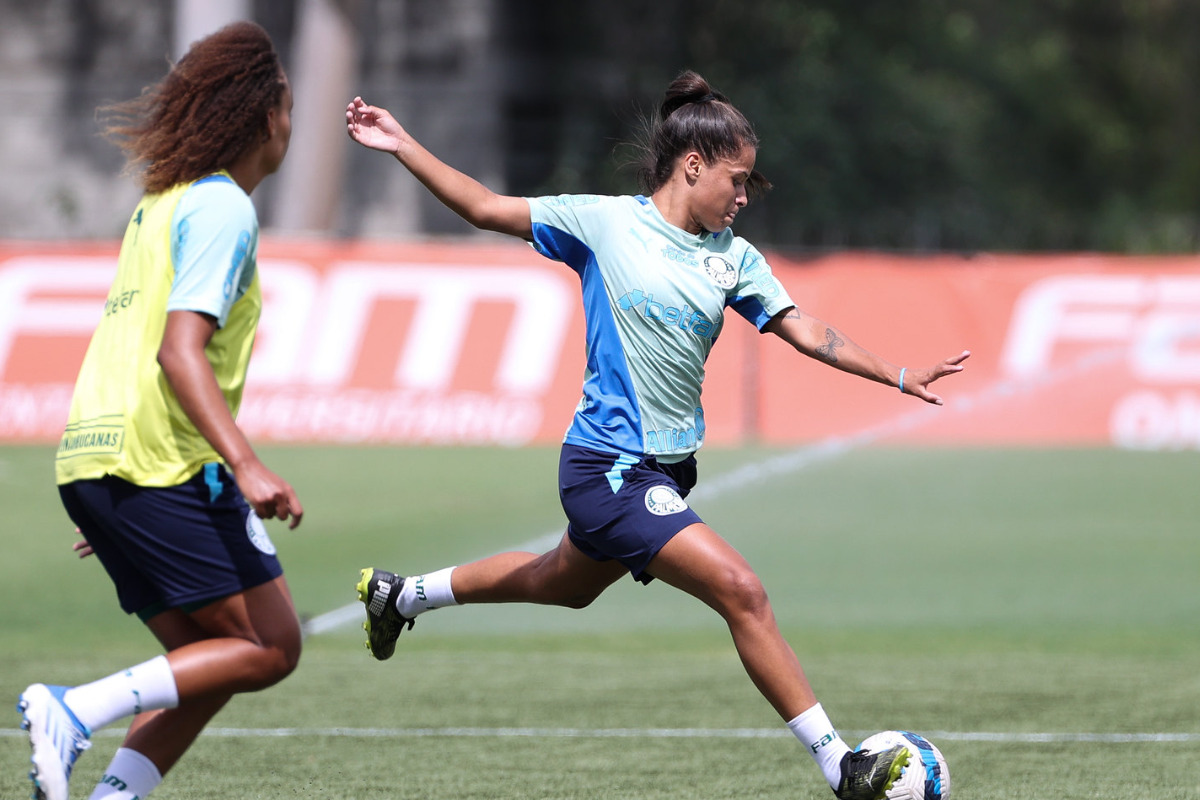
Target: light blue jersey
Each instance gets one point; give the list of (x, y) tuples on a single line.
[(654, 301), (215, 225)]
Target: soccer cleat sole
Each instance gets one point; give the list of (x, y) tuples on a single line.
[(26, 724), (363, 584), (23, 707), (48, 784)]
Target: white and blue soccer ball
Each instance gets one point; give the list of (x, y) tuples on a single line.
[(926, 777)]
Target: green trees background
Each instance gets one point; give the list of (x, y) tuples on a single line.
[(913, 125), (919, 125)]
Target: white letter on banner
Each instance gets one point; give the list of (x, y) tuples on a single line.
[(445, 297), (1160, 352), (281, 346), (82, 282), (1080, 308)]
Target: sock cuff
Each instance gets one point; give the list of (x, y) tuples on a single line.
[(426, 592), (130, 776), (814, 713), (816, 733), (137, 761), (157, 683)]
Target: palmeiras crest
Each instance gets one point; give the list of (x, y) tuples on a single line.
[(721, 271)]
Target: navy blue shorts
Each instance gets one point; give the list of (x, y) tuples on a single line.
[(175, 547), (623, 507)]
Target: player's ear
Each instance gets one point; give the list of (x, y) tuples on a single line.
[(691, 164)]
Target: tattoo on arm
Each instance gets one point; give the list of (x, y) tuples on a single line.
[(828, 351)]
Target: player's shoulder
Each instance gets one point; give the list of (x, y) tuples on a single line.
[(580, 203), (728, 243), (566, 200), (219, 195), (589, 213)]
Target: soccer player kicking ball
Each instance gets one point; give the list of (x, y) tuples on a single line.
[(658, 272)]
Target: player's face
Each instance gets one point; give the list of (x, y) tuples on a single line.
[(719, 189)]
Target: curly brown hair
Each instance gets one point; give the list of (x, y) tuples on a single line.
[(694, 116), (206, 113)]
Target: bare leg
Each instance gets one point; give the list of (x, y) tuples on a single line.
[(696, 560), (701, 563), (241, 643), (562, 577)]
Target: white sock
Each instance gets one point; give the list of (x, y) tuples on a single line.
[(423, 593), (130, 776), (824, 744), (144, 687)]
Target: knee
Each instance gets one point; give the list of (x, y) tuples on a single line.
[(551, 582), (578, 600), (287, 659), (275, 660), (565, 596), (742, 594)]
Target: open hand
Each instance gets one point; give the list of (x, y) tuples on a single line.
[(916, 381), (373, 127)]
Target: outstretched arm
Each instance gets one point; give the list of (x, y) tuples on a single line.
[(815, 339), (377, 129)]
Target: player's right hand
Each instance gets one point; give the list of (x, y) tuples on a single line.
[(270, 496), (373, 127)]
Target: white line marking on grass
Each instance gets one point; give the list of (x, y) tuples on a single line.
[(333, 620), (1037, 738), (1013, 737), (810, 455)]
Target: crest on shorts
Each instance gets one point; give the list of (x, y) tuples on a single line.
[(663, 500), (721, 271), (257, 533)]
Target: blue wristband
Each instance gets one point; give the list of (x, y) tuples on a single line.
[(902, 371)]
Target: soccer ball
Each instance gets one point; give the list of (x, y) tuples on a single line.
[(926, 777)]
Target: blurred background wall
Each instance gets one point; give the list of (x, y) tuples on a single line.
[(1021, 179), (925, 125)]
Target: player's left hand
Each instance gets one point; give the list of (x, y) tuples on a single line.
[(916, 381), (82, 547)]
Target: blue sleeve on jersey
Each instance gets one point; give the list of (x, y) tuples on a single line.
[(214, 243), (752, 309), (560, 245)]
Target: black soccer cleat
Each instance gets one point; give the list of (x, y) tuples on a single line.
[(868, 776), (377, 590)]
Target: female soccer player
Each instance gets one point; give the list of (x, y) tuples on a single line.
[(658, 272), (152, 468)]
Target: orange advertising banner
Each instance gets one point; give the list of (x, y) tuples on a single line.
[(1066, 350), (445, 344)]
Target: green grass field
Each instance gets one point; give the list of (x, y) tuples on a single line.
[(1036, 613)]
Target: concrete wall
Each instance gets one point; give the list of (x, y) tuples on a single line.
[(435, 63)]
